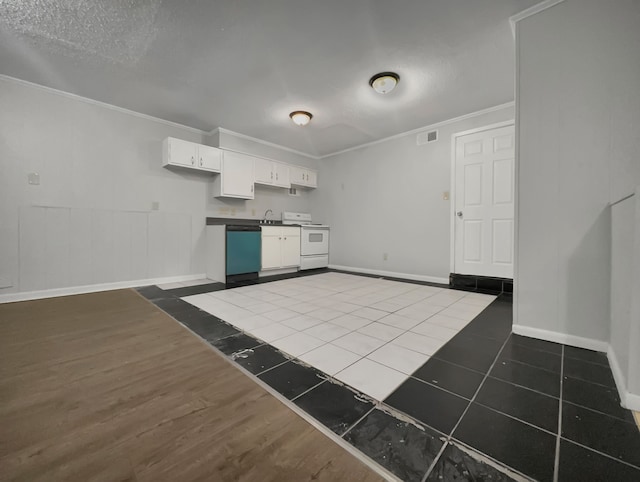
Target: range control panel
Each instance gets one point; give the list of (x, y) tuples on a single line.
[(289, 217)]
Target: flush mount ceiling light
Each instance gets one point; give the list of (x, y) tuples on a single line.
[(300, 117), (384, 82)]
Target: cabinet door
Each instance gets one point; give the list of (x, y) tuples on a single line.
[(209, 158), (297, 175), (264, 171), (271, 256), (237, 175), (291, 247), (182, 153), (312, 178), (281, 175)]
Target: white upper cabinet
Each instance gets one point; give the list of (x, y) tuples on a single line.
[(282, 175), (209, 158), (264, 171), (176, 152), (236, 176), (272, 173), (302, 176)]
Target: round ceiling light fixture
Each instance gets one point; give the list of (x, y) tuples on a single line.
[(384, 82), (301, 117)]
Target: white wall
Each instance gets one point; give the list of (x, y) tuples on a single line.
[(578, 73), (633, 337), (388, 198), (578, 116), (90, 221), (624, 284)]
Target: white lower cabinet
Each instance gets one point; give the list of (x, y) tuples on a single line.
[(280, 247)]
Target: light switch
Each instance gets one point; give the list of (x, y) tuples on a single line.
[(445, 196), (33, 178)]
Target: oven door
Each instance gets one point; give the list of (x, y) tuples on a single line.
[(314, 241)]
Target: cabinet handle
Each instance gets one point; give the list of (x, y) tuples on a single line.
[(272, 175), (276, 176), (201, 161), (285, 239), (193, 160), (279, 238)]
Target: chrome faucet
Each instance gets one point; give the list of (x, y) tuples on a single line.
[(264, 220)]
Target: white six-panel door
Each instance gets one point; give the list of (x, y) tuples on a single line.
[(484, 203)]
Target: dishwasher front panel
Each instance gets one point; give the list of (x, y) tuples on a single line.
[(243, 252)]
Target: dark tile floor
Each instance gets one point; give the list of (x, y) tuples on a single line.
[(489, 405)]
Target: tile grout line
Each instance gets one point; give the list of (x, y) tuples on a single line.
[(309, 389), (358, 421), (479, 387), (502, 466), (524, 387), (590, 449), (599, 412), (556, 464), (435, 461)]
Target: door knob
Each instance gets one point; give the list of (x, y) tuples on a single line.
[(459, 214)]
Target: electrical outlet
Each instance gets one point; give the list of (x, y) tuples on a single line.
[(445, 196), (385, 256), (253, 212)]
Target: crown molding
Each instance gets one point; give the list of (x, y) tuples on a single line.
[(424, 128), (98, 103), (531, 11), (260, 141)]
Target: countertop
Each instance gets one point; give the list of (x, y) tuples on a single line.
[(245, 222)]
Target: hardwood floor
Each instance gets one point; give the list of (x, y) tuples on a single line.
[(105, 386)]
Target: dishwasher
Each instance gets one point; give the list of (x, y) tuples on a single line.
[(243, 252)]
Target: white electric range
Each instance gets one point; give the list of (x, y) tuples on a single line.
[(314, 240)]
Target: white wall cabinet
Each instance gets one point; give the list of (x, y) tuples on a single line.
[(177, 152), (280, 247), (236, 176), (272, 173), (302, 176)]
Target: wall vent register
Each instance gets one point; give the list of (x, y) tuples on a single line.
[(426, 137)]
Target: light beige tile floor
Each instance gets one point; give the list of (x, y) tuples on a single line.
[(371, 332)]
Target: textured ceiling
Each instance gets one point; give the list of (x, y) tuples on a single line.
[(244, 65)]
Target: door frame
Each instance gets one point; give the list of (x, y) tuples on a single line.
[(452, 192)]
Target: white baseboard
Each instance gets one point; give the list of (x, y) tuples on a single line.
[(632, 402), (392, 274), (564, 338), (77, 290), (627, 399)]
